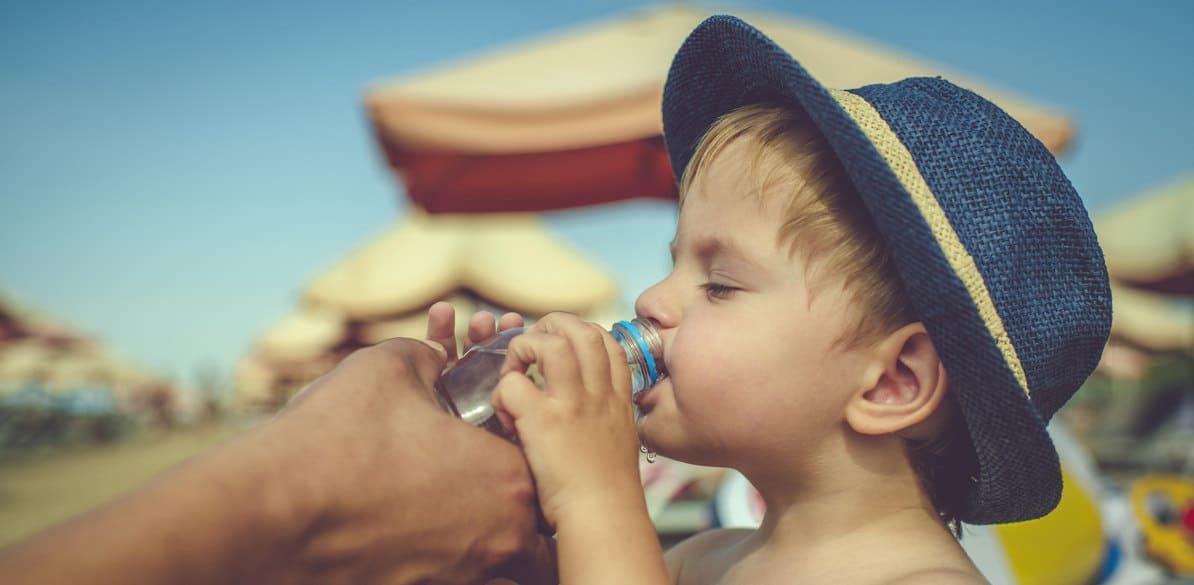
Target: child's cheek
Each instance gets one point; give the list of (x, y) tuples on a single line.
[(701, 373)]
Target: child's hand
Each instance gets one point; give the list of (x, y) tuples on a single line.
[(577, 432), (441, 328)]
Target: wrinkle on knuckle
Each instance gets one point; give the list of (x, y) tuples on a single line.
[(390, 359), (570, 409), (512, 543), (594, 335), (557, 343)]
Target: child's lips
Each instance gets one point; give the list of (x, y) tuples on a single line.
[(645, 400)]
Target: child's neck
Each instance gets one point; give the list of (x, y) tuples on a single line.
[(852, 512), (850, 493)]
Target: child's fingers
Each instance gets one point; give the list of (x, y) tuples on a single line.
[(441, 328), (555, 357), (592, 345), (588, 344), (619, 370), (513, 398)]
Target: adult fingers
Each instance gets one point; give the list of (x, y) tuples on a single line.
[(510, 321), (441, 328), (481, 328)]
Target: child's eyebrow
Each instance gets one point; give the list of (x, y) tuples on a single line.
[(710, 246)]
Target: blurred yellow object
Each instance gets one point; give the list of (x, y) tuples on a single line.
[(1066, 547), (1164, 506)]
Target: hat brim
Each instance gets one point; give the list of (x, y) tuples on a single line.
[(726, 64)]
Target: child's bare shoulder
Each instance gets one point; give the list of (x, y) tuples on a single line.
[(700, 545), (941, 577), (709, 540)]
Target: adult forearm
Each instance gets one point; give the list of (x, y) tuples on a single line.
[(361, 479), (214, 519)]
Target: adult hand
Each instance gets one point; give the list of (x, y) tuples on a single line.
[(361, 479), (405, 491)]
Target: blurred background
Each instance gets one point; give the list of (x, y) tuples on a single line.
[(204, 206)]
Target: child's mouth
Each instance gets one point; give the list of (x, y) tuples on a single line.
[(644, 400)]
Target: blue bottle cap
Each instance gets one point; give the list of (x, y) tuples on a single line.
[(643, 347)]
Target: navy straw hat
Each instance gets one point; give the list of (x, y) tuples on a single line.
[(992, 243)]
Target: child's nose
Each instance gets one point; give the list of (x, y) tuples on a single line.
[(655, 303)]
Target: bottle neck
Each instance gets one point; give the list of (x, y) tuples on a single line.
[(640, 340)]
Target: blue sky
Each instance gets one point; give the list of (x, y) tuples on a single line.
[(171, 176)]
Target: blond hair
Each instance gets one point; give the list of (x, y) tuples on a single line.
[(824, 219)]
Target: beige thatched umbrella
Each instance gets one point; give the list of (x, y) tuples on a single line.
[(54, 370), (98, 370), (1149, 241), (1149, 246), (509, 259), (76, 370), (25, 362), (57, 359), (255, 384), (306, 334), (1152, 321), (19, 320), (573, 118)]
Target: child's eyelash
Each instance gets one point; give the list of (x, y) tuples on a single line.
[(715, 290)]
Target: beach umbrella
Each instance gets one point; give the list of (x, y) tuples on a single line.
[(305, 334), (25, 363), (76, 370), (255, 382), (1151, 321), (1149, 240), (20, 320), (1149, 245), (509, 259), (572, 118)]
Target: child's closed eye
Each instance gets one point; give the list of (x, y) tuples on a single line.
[(718, 291)]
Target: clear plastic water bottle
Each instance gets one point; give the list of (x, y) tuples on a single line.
[(466, 389)]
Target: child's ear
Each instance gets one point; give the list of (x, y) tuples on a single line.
[(905, 384)]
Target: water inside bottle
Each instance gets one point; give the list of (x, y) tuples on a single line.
[(469, 385)]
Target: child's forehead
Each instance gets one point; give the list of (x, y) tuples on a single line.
[(731, 223)]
